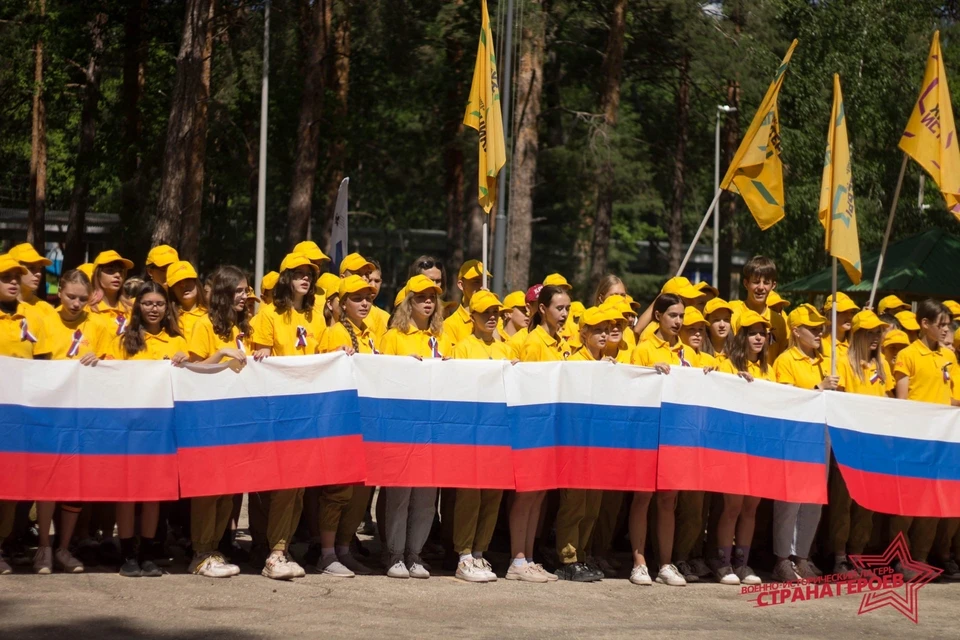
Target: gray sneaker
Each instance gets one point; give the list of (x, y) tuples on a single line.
[(350, 562), (951, 570), (747, 575), (700, 567), (785, 571), (43, 561), (687, 571), (5, 569), (331, 566), (806, 569), (65, 561)]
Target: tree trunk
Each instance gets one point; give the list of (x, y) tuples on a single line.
[(38, 149), (338, 79), (315, 23), (523, 173), (453, 181), (193, 188), (129, 169), (609, 107), (474, 243), (675, 224), (73, 253), (727, 207), (183, 114)]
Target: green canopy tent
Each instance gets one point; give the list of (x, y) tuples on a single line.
[(926, 265)]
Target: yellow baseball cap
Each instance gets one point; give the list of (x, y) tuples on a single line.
[(422, 284), (867, 319), (775, 301), (703, 286), (805, 315), (750, 317), (8, 263), (514, 300), (162, 255), (294, 260), (596, 315), (844, 303), (952, 305), (680, 286), (179, 271), (896, 336), (556, 280), (353, 284), (483, 301), (355, 262), (471, 269), (328, 284), (619, 303), (251, 295), (27, 254), (576, 309), (106, 257), (86, 269), (892, 304), (907, 320), (310, 249), (956, 337), (716, 304), (692, 316), (399, 297), (268, 282)]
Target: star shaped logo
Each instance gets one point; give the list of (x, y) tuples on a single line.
[(874, 566)]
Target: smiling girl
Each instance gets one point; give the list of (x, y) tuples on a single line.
[(109, 271)]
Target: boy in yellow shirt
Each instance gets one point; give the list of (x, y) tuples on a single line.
[(759, 280)]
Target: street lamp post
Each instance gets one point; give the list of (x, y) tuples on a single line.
[(721, 109)]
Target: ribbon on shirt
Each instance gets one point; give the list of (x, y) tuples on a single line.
[(301, 337), (75, 344), (434, 346), (25, 335), (946, 373), (373, 347), (121, 325), (683, 362), (875, 378)]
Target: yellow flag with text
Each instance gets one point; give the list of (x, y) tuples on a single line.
[(483, 114), (931, 137), (756, 172), (837, 212)]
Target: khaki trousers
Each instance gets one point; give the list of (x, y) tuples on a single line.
[(576, 518), (474, 519)]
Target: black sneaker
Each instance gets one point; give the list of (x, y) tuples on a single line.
[(575, 572), (159, 554), (595, 570), (131, 569), (149, 569)]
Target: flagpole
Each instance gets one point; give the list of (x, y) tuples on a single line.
[(484, 260), (262, 167), (503, 183), (833, 323), (886, 234), (696, 238)]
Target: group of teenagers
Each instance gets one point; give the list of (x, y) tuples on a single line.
[(171, 314)]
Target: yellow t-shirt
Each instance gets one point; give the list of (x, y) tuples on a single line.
[(779, 335), (843, 346), (118, 316), (457, 326), (187, 319), (795, 368), (473, 348), (753, 368), (871, 385), (655, 350), (623, 352), (42, 307), (516, 341), (583, 355), (699, 359), (931, 373), (540, 347), (291, 333), (204, 341), (90, 333), (414, 342), (157, 346), (338, 336), (24, 333), (377, 320), (649, 331)]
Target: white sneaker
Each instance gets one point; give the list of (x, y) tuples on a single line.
[(277, 568), (43, 561), (333, 567), (525, 573), (398, 570), (785, 571), (417, 570), (5, 569), (641, 576), (551, 577), (298, 571), (211, 565), (486, 567), (65, 560), (669, 575), (468, 571), (747, 576)]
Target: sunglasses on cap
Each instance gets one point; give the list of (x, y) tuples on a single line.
[(430, 264)]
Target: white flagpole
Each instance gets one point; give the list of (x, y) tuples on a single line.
[(833, 323), (338, 235), (484, 260), (262, 168), (696, 238), (886, 234)]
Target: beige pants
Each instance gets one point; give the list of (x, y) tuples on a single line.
[(576, 518), (283, 517), (209, 517), (474, 519)]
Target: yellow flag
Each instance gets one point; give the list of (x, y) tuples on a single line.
[(931, 137), (756, 172), (837, 212), (483, 114)]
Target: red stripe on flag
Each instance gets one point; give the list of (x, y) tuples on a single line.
[(391, 464), (545, 468), (901, 495)]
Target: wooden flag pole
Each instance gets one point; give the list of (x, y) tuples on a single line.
[(696, 238), (833, 323), (886, 234)]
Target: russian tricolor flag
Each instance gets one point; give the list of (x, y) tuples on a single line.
[(584, 425), (897, 456), (282, 423), (721, 433), (434, 423), (70, 432)]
